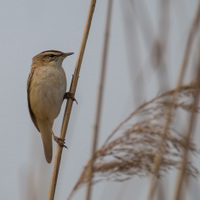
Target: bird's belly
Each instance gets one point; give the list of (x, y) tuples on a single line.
[(46, 93)]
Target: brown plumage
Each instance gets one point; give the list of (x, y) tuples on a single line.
[(46, 87)]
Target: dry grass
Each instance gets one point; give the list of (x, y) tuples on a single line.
[(157, 136), (131, 148), (69, 104), (99, 98)]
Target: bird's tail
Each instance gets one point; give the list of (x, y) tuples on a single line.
[(46, 134)]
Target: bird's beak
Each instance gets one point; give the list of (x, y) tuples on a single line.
[(67, 54)]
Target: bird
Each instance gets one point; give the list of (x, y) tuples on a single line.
[(46, 90)]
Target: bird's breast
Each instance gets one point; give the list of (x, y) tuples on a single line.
[(47, 89)]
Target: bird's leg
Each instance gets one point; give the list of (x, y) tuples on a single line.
[(69, 95), (59, 141)]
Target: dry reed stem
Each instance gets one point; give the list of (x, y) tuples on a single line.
[(131, 148), (189, 44), (191, 126), (100, 97), (68, 108)]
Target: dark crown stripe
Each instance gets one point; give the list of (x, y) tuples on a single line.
[(52, 51)]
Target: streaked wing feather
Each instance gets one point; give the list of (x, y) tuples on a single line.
[(28, 96)]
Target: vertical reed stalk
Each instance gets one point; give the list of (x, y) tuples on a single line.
[(191, 126), (158, 157), (99, 97), (68, 108)]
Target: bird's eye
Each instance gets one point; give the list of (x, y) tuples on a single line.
[(51, 55)]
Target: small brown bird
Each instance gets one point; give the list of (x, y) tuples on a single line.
[(46, 87)]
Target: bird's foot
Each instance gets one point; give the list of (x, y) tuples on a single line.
[(69, 95), (60, 141)]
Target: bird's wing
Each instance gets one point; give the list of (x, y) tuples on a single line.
[(28, 96)]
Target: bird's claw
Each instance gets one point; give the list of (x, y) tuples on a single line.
[(69, 95), (60, 141)]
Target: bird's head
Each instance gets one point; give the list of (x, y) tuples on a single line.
[(50, 58)]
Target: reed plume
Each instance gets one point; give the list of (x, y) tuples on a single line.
[(131, 148)]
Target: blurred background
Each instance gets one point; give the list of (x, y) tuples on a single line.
[(146, 49)]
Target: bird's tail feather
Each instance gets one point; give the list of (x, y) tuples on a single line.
[(46, 134)]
